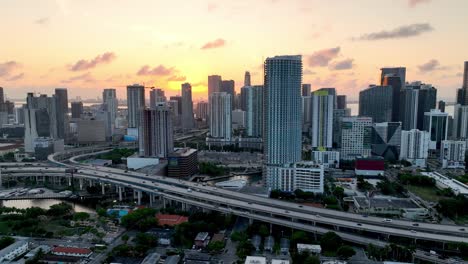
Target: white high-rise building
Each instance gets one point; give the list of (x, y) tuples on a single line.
[(305, 176), (436, 123), (156, 132), (254, 110), (220, 116), (356, 137), (323, 102), (39, 119), (415, 147), (135, 103), (452, 154), (460, 122), (156, 96), (282, 117), (188, 121)]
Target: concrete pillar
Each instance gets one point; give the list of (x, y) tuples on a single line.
[(81, 184), (69, 181), (250, 221), (120, 193), (151, 197), (139, 197), (103, 188), (134, 194), (164, 202)]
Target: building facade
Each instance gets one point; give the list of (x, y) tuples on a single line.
[(220, 116), (436, 123), (415, 147), (452, 154), (156, 137), (376, 102), (188, 121), (135, 102), (323, 103), (356, 137), (254, 110)]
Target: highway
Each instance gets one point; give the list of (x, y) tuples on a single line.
[(316, 220)]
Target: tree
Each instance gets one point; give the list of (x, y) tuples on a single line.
[(60, 209), (345, 252), (312, 260), (6, 241), (330, 241), (125, 238), (141, 219), (238, 236), (215, 246), (338, 192), (244, 248), (80, 216), (263, 231), (299, 237)]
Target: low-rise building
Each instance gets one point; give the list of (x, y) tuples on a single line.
[(269, 243), (170, 219), (401, 207), (195, 257), (329, 159), (305, 176), (280, 261), (255, 260), (72, 251), (444, 182), (164, 236), (284, 246), (11, 252), (313, 249), (372, 166), (202, 239)]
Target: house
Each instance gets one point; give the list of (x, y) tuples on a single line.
[(164, 235), (14, 250), (151, 258), (194, 257), (202, 239), (72, 252), (170, 219), (255, 260)]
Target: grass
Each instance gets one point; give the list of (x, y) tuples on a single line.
[(426, 193)]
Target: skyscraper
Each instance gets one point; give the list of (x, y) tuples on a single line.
[(441, 105), (156, 132), (135, 103), (187, 107), (306, 89), (282, 115), (356, 137), (394, 71), (462, 96), (220, 115), (394, 81), (341, 102), (323, 101), (254, 110), (109, 98), (2, 96), (460, 122), (416, 99), (214, 84), (156, 96), (415, 147), (376, 102), (338, 115), (76, 109), (61, 98), (202, 110), (40, 119), (227, 86), (247, 79), (436, 123)]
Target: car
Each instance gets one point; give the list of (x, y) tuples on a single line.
[(462, 229), (286, 211), (300, 206), (365, 216), (143, 182), (359, 224), (317, 215), (386, 220), (413, 231), (415, 224), (189, 190)]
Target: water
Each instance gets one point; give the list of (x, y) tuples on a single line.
[(44, 204)]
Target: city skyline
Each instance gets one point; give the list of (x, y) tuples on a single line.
[(141, 47)]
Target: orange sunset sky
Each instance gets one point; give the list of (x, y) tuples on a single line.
[(88, 45)]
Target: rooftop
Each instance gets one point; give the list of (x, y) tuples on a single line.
[(72, 250), (171, 220), (255, 260), (384, 202), (182, 152), (202, 236)]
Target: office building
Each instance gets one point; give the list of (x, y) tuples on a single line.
[(156, 132), (399, 72), (156, 96), (227, 86), (376, 102), (187, 119), (91, 131), (460, 122), (329, 159), (452, 154), (105, 116), (436, 123), (414, 147), (135, 103), (386, 140), (415, 100), (441, 106), (306, 89), (202, 110), (109, 98), (40, 119), (243, 98), (238, 119), (464, 88), (61, 98), (307, 114), (341, 102), (323, 102), (182, 162), (282, 116), (394, 82), (177, 99), (220, 115), (19, 114), (247, 81), (356, 136), (338, 115), (254, 110), (214, 84), (76, 109)]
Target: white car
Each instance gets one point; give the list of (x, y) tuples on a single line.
[(386, 220)]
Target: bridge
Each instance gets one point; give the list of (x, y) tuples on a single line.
[(351, 227)]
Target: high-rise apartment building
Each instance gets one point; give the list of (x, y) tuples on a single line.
[(415, 100), (40, 119), (323, 102), (436, 123), (282, 116), (460, 122), (156, 132), (338, 115), (202, 110), (61, 98), (214, 84), (254, 110), (187, 120), (394, 81), (76, 109), (109, 98), (464, 88), (247, 79), (156, 96), (415, 147), (227, 86), (306, 89), (452, 154), (376, 102), (356, 137), (220, 115), (135, 103)]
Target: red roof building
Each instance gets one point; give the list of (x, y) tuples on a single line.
[(370, 166), (171, 220), (72, 251)]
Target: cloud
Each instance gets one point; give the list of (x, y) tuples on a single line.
[(212, 7), (42, 21), (430, 66), (16, 77), (160, 70), (176, 78), (8, 67), (406, 31), (87, 77), (306, 72), (342, 65), (413, 3), (83, 65), (214, 44), (321, 58)]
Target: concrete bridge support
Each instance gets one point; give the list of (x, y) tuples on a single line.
[(139, 197), (103, 188), (81, 184), (120, 193)]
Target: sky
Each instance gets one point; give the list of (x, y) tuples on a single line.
[(89, 45)]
